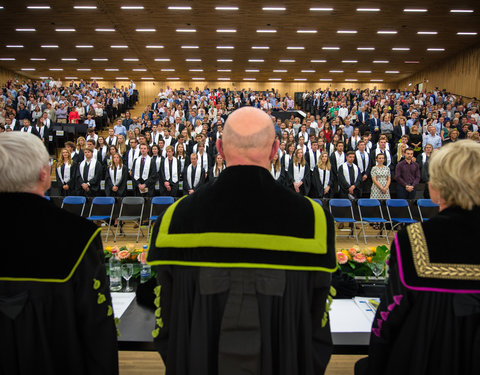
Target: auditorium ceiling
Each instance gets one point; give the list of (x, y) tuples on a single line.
[(339, 40)]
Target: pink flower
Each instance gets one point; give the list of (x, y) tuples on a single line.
[(142, 257), (359, 258), (352, 251), (124, 254), (341, 258)]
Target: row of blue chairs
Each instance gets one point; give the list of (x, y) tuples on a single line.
[(131, 210), (394, 219)]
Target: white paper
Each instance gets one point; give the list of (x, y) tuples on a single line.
[(346, 316), (120, 302)]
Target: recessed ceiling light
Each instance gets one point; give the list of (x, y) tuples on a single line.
[(331, 48), (224, 60), (368, 9), (280, 71), (364, 71), (38, 7), (351, 80), (224, 70), (318, 61), (376, 80), (14, 46), (25, 30), (412, 62), (111, 69), (307, 31), (274, 8), (139, 70), (195, 70), (132, 7), (168, 70), (252, 70), (299, 79), (173, 78), (84, 46), (7, 59), (189, 47), (461, 10), (365, 48), (266, 31), (71, 77), (295, 47), (346, 31), (349, 61), (84, 7), (286, 61), (381, 61), (154, 46), (186, 30), (122, 78), (256, 60), (66, 30), (400, 49), (466, 33), (83, 69), (130, 59), (146, 30), (308, 71), (162, 59), (387, 32), (225, 47), (249, 79), (415, 10), (321, 9), (180, 8), (198, 78), (118, 46), (436, 49), (260, 47), (69, 59), (96, 77), (146, 78), (223, 79), (38, 59), (105, 30), (427, 32), (55, 69), (325, 79), (336, 71), (99, 59), (226, 8), (193, 60), (274, 79), (28, 69), (226, 31), (392, 71)]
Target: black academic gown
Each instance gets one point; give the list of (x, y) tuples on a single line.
[(149, 182), (305, 187), (243, 320), (345, 185), (318, 188), (186, 185), (55, 305), (122, 185), (94, 182), (72, 188), (162, 179), (429, 319)]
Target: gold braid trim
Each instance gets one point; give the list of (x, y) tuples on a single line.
[(424, 268)]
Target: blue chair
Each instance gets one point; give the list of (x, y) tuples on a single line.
[(319, 201), (372, 204), (134, 206), (106, 219), (344, 203), (398, 205), (72, 200), (426, 203), (158, 206)]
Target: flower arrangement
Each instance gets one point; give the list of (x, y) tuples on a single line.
[(129, 253), (363, 262)]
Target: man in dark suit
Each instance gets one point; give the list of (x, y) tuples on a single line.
[(363, 120), (144, 174), (349, 178), (400, 130), (89, 175), (375, 127)]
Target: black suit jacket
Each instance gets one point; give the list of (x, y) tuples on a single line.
[(122, 185), (397, 132), (95, 181)]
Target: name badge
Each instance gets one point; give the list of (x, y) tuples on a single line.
[(102, 185), (129, 185), (50, 138), (180, 185), (157, 186), (59, 133)]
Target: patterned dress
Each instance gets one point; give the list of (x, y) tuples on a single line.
[(381, 174)]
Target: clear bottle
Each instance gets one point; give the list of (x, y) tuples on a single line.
[(146, 270), (115, 273)]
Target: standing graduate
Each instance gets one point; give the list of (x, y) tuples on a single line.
[(349, 178), (193, 176), (362, 161), (337, 158), (66, 173), (170, 171), (217, 168), (277, 171), (89, 175), (313, 155), (144, 174), (116, 177), (322, 178), (299, 173), (287, 158)]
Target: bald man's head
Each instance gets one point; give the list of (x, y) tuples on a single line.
[(248, 138)]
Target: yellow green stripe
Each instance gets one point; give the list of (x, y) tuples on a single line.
[(57, 280)]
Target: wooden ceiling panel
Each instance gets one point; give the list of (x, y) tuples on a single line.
[(246, 21)]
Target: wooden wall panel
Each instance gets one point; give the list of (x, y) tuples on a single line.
[(459, 75), (6, 75)]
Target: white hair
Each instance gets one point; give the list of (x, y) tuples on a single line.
[(22, 156)]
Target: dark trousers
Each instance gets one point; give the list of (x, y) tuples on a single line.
[(402, 193)]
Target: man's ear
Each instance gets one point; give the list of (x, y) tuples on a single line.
[(219, 144), (274, 150)]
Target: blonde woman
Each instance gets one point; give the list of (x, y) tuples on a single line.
[(276, 170), (116, 178), (322, 178), (66, 173), (121, 145), (80, 147), (218, 168), (299, 173)]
